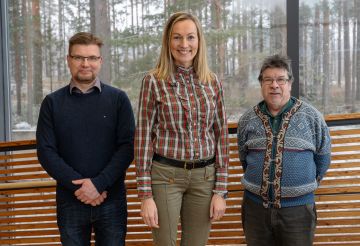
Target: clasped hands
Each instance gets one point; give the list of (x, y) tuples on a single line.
[(88, 193)]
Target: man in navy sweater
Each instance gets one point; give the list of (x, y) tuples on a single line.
[(85, 137)]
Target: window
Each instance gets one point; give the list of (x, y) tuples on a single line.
[(239, 35), (330, 55)]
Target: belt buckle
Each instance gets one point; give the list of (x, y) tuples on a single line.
[(187, 163)]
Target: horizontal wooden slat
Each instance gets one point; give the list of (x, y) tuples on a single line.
[(345, 140), (19, 156), (345, 132), (337, 190), (10, 163), (30, 142), (27, 215), (336, 238), (22, 170)]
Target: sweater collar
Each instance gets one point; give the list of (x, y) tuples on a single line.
[(286, 108)]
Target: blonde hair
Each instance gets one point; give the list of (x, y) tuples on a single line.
[(165, 66)]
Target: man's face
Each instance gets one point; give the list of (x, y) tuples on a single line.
[(84, 63), (275, 88)]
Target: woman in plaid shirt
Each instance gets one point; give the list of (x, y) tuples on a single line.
[(181, 142)]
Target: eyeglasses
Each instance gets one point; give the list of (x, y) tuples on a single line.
[(279, 81), (90, 59)]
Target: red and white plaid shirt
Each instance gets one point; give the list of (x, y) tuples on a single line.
[(184, 119)]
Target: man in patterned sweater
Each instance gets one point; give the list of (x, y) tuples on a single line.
[(284, 147)]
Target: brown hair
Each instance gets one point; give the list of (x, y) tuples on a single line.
[(165, 65), (276, 61), (84, 38)]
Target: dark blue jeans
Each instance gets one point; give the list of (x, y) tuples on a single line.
[(76, 221), (290, 226)]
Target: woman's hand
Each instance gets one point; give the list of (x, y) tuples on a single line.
[(149, 212), (217, 207)]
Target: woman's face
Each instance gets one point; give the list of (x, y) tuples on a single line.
[(184, 43)]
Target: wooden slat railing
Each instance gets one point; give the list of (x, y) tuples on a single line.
[(28, 209)]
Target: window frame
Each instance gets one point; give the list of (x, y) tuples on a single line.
[(4, 74)]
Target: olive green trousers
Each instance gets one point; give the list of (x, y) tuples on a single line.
[(185, 194)]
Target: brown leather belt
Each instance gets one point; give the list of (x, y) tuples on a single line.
[(183, 164)]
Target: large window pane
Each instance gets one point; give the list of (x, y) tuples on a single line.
[(329, 51), (239, 35)]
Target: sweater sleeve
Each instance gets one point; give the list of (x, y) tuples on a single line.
[(322, 156), (124, 154), (47, 149), (241, 139)]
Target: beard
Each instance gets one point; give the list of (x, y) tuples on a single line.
[(85, 79)]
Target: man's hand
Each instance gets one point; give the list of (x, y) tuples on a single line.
[(149, 212), (99, 200), (87, 192), (217, 207)]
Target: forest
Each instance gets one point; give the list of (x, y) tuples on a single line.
[(239, 34)]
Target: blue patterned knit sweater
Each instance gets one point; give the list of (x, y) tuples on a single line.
[(283, 170)]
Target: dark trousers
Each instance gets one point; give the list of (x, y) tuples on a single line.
[(77, 220), (290, 226)]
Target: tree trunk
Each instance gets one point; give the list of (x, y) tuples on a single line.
[(261, 30), (278, 29), (49, 42), (347, 64), (339, 62), (358, 51), (17, 56), (116, 53), (315, 48), (243, 49), (326, 70), (37, 54), (61, 63), (303, 43), (29, 64), (243, 58), (353, 65), (133, 48), (101, 27), (220, 42)]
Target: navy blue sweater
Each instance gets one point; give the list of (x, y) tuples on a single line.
[(86, 136)]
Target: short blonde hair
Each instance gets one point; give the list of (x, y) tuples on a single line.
[(166, 67)]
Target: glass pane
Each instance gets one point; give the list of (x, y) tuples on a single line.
[(329, 49), (239, 35)]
